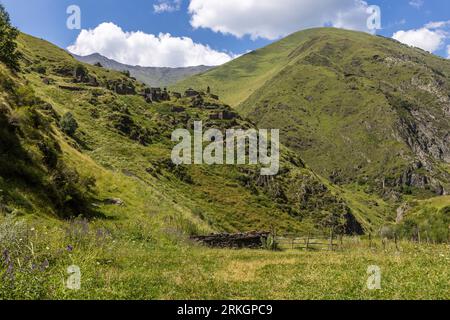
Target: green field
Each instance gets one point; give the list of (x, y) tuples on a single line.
[(131, 261)]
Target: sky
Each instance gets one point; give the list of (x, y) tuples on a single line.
[(180, 33)]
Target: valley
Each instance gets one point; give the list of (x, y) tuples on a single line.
[(87, 178)]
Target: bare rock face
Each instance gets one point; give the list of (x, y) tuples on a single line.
[(251, 240)]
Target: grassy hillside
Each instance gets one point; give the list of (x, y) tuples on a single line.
[(107, 199), (123, 134), (360, 109)]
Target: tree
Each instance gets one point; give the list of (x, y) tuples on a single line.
[(68, 124), (8, 46)]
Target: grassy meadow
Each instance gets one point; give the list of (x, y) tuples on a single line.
[(131, 261)]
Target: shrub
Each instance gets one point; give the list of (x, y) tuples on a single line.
[(68, 124), (25, 96), (8, 46)]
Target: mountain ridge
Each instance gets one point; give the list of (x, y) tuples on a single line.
[(152, 76)]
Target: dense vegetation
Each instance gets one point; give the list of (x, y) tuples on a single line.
[(8, 34)]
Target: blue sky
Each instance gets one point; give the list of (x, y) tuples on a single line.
[(214, 31)]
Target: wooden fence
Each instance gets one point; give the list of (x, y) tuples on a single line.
[(308, 242)]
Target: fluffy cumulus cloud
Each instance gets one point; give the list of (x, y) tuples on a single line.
[(431, 37), (167, 6), (139, 48), (424, 38), (272, 19)]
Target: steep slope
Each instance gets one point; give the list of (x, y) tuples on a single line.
[(151, 76), (365, 111), (124, 136)]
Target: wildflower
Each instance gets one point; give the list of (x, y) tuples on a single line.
[(69, 248)]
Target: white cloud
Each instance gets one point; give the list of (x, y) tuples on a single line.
[(167, 6), (437, 24), (448, 51), (272, 19), (139, 48), (429, 40), (416, 3)]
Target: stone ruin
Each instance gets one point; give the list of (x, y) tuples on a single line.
[(177, 95), (81, 75), (121, 87), (177, 109), (250, 240), (155, 95), (223, 115), (190, 93)]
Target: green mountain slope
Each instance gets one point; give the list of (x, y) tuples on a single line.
[(122, 135), (364, 111)]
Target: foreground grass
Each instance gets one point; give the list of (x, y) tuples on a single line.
[(127, 262)]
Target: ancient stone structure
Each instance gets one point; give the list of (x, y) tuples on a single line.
[(191, 93), (121, 87), (223, 115), (155, 95), (178, 109), (176, 95), (197, 102), (252, 240)]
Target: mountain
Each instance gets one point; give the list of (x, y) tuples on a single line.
[(366, 112), (88, 189), (123, 134), (151, 76)]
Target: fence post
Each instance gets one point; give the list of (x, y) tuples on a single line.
[(331, 239), (418, 235), (396, 243), (370, 240)]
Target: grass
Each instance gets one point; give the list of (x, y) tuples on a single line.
[(119, 264)]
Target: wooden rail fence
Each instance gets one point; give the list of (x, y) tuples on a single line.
[(310, 242)]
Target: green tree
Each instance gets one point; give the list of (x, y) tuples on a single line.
[(8, 46), (68, 124)]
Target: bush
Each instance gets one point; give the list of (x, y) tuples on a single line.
[(25, 96), (68, 124), (8, 45)]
